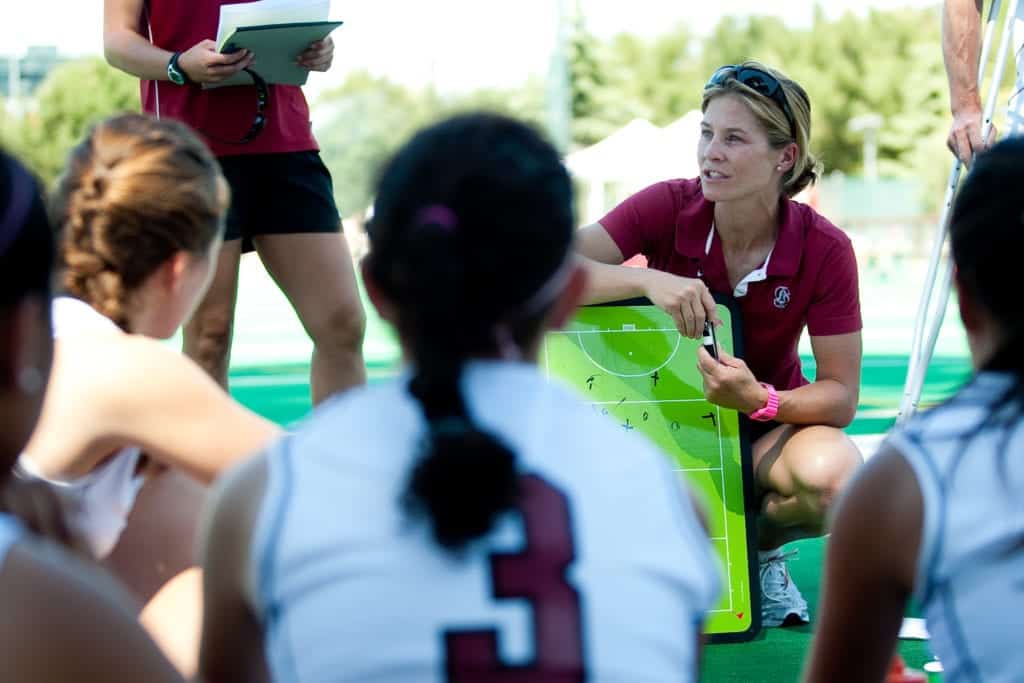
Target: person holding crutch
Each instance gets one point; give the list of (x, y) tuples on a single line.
[(961, 43), (966, 57)]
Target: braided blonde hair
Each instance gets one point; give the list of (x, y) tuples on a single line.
[(136, 191)]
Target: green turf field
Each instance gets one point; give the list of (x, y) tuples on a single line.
[(777, 654), (631, 365), (269, 373), (281, 392)]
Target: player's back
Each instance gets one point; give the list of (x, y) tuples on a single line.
[(602, 574), (970, 577)]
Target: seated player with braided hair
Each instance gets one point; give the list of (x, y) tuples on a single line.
[(140, 213), (936, 514), (470, 521)]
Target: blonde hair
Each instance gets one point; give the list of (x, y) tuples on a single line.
[(806, 168), (135, 192)]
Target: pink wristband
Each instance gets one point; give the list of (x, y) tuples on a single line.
[(770, 409)]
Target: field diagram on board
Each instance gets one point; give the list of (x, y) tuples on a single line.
[(632, 365)]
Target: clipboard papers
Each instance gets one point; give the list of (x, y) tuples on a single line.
[(276, 31)]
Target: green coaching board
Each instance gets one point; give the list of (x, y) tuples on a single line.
[(630, 362)]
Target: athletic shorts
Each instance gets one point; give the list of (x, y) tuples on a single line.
[(277, 194), (756, 429)]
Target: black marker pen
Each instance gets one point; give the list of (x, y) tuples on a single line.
[(710, 343)]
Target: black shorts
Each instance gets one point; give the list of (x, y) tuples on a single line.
[(275, 194), (756, 429)]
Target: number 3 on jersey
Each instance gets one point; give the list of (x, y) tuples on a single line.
[(537, 573)]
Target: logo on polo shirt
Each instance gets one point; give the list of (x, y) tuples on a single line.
[(782, 297)]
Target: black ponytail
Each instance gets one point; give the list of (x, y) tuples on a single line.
[(463, 480), (987, 239), (464, 477), (472, 217)]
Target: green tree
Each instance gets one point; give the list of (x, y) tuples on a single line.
[(736, 39), (656, 80), (629, 77), (361, 123), (6, 127), (670, 79), (73, 97), (588, 84), (887, 63), (915, 108), (525, 102)]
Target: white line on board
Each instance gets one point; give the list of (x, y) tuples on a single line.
[(668, 360), (667, 400), (725, 517), (653, 329)]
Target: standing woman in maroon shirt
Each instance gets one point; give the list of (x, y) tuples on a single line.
[(282, 201), (735, 230), (282, 205)]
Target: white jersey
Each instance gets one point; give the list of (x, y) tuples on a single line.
[(99, 502), (604, 572), (970, 572)]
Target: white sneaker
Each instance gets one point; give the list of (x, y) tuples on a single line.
[(781, 602)]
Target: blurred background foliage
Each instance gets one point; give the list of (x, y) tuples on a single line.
[(885, 63)]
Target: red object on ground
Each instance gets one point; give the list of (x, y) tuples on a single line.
[(899, 673)]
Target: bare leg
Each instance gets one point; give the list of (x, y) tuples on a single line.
[(799, 472), (155, 559), (207, 335), (174, 620), (315, 272)]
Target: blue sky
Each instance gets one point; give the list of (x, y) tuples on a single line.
[(457, 44)]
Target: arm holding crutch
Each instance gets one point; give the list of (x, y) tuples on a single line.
[(961, 43), (957, 31)]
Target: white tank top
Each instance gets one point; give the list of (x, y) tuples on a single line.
[(604, 570), (99, 502), (970, 572)]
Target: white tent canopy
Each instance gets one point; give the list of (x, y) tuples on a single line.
[(612, 158), (636, 155)]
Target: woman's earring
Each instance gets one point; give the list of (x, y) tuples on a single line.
[(30, 380)]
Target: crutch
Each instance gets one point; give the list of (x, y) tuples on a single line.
[(921, 351)]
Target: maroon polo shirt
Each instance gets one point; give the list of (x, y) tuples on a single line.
[(222, 115), (811, 277)]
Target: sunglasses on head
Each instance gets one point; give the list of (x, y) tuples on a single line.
[(761, 82)]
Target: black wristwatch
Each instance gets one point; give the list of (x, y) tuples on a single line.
[(175, 73)]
